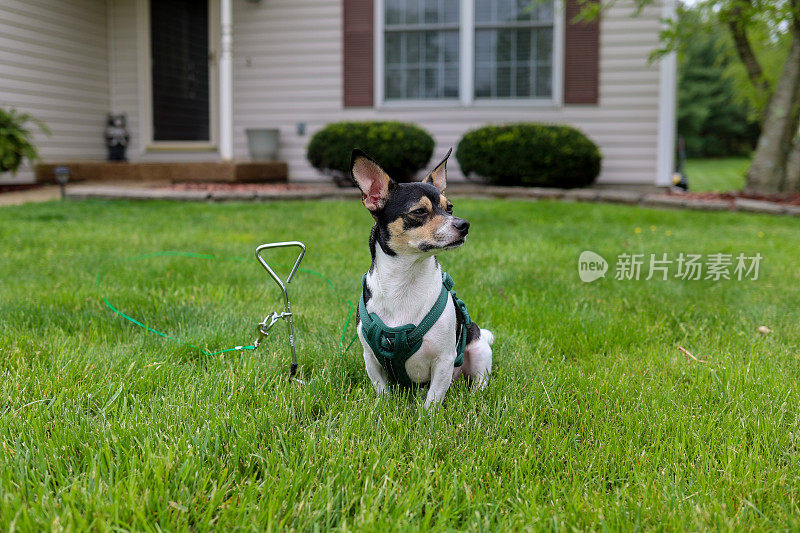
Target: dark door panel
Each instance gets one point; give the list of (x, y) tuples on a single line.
[(179, 48)]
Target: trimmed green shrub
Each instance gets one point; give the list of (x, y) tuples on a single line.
[(401, 149), (530, 154)]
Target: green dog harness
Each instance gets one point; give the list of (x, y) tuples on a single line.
[(393, 346)]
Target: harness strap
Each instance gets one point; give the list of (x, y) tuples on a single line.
[(466, 321), (394, 345)]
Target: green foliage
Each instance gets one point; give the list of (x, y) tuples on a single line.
[(767, 24), (402, 149), (16, 140), (530, 154), (771, 50), (712, 119)]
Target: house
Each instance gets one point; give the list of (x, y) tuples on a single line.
[(193, 75)]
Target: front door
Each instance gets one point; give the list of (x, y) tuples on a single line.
[(180, 70)]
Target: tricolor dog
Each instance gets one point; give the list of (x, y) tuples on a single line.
[(413, 327)]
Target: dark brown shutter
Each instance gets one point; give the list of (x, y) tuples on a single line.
[(358, 53), (581, 57)]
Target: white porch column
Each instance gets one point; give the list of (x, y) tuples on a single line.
[(226, 81)]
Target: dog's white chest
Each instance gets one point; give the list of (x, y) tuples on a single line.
[(402, 301)]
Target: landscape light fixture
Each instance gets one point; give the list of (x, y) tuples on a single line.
[(62, 177)]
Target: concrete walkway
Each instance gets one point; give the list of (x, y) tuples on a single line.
[(161, 191), (326, 191), (125, 191), (40, 194)]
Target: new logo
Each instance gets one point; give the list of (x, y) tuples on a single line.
[(591, 266)]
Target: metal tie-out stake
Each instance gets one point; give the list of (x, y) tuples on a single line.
[(264, 326)]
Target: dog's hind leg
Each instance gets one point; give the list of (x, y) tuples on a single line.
[(478, 359)]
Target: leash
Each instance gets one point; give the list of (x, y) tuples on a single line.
[(262, 327)]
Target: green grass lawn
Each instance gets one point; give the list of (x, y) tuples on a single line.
[(719, 175), (593, 418)]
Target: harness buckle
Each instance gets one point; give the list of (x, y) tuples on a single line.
[(387, 343)]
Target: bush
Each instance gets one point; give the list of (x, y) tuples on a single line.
[(401, 149), (16, 140), (530, 154)]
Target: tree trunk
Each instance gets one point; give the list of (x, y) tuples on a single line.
[(792, 180), (768, 171)]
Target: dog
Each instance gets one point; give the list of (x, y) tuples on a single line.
[(403, 289)]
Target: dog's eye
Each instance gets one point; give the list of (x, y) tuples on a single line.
[(420, 212), (449, 209)]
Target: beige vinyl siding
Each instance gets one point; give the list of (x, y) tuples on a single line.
[(54, 65), (124, 49), (288, 69)]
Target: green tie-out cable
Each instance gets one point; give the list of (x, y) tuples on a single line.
[(192, 255)]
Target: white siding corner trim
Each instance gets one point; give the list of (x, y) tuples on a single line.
[(667, 90)]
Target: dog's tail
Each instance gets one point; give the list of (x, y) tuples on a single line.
[(488, 336)]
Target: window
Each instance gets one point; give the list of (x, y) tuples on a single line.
[(421, 49), (513, 49), (503, 48)]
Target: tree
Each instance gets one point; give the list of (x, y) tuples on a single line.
[(776, 161), (770, 171), (712, 119)]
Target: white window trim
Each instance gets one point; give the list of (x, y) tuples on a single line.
[(467, 66), (146, 86)]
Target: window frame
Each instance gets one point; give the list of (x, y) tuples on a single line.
[(466, 65)]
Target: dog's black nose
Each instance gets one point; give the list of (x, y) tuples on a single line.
[(461, 225)]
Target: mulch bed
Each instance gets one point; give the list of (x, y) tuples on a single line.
[(784, 199)]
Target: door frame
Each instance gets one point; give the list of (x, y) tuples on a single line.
[(146, 85)]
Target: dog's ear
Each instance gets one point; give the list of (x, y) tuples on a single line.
[(438, 176), (374, 182)]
